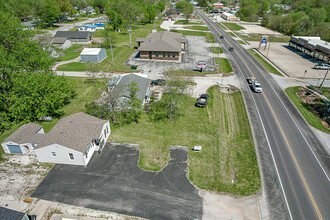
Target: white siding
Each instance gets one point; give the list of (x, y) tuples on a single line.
[(44, 154)]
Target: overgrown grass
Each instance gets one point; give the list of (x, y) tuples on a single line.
[(256, 37), (71, 53), (224, 65), (309, 116), (55, 26), (185, 22), (223, 131), (233, 26), (265, 64), (216, 50), (199, 28), (209, 37)]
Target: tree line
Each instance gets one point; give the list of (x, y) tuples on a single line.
[(298, 17), (29, 89)]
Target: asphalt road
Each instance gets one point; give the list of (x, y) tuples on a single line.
[(113, 182), (300, 163)]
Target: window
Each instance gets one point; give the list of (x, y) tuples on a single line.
[(164, 54), (156, 54), (173, 54), (71, 156), (53, 154), (168, 54)]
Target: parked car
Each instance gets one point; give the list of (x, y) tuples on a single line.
[(256, 87), (321, 66), (158, 82), (221, 37), (204, 96), (231, 49)]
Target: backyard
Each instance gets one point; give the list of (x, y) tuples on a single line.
[(223, 131)]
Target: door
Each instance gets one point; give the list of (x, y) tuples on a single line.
[(14, 149), (150, 55)]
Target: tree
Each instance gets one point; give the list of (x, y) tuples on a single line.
[(203, 3), (48, 11), (150, 13), (28, 87), (186, 7), (115, 19)]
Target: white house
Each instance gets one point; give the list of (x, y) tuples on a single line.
[(24, 139), (87, 27), (73, 140)]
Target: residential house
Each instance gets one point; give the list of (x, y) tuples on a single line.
[(73, 140), (9, 214), (75, 36), (87, 11), (87, 27), (119, 85), (93, 55), (162, 45), (61, 42), (24, 139)]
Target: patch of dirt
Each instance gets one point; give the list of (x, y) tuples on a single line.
[(315, 104), (228, 89)]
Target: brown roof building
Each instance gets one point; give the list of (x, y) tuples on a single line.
[(162, 45)]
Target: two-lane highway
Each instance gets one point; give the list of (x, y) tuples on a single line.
[(302, 175)]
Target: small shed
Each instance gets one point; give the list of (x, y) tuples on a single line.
[(93, 55)]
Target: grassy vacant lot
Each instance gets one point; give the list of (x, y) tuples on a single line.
[(224, 65), (240, 42), (223, 131), (312, 119), (185, 22), (233, 26), (199, 28), (71, 53), (209, 37), (265, 64), (216, 50), (256, 37)]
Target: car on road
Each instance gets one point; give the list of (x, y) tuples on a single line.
[(158, 82), (321, 66), (256, 87), (201, 102), (250, 80), (231, 49), (221, 37)]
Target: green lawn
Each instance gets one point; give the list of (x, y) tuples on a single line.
[(71, 52), (55, 26), (233, 26), (224, 66), (209, 37), (231, 34), (312, 119), (240, 42), (216, 50), (223, 131), (185, 22), (86, 92), (263, 62), (256, 37), (199, 28)]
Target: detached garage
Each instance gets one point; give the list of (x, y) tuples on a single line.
[(24, 139), (93, 55)]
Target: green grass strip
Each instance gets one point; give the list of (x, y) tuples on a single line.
[(264, 63)]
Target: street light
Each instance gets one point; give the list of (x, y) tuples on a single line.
[(305, 74), (324, 78), (130, 41)]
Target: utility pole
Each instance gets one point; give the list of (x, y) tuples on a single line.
[(113, 63), (219, 58), (130, 41), (326, 74)]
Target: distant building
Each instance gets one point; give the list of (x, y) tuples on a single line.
[(28, 25), (162, 45), (228, 16), (87, 27), (218, 5), (75, 36), (61, 42), (313, 46), (93, 55)]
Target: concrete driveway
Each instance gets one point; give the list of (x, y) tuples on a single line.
[(113, 182)]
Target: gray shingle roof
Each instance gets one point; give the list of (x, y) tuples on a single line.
[(59, 40), (162, 41), (8, 214), (73, 34), (142, 83), (75, 131), (24, 133)]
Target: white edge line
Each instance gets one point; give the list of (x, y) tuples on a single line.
[(293, 119), (285, 198)]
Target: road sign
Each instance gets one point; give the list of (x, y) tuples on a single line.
[(201, 64)]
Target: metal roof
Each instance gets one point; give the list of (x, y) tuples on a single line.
[(90, 51), (73, 34)]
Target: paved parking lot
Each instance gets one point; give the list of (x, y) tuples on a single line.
[(113, 182), (197, 50)]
